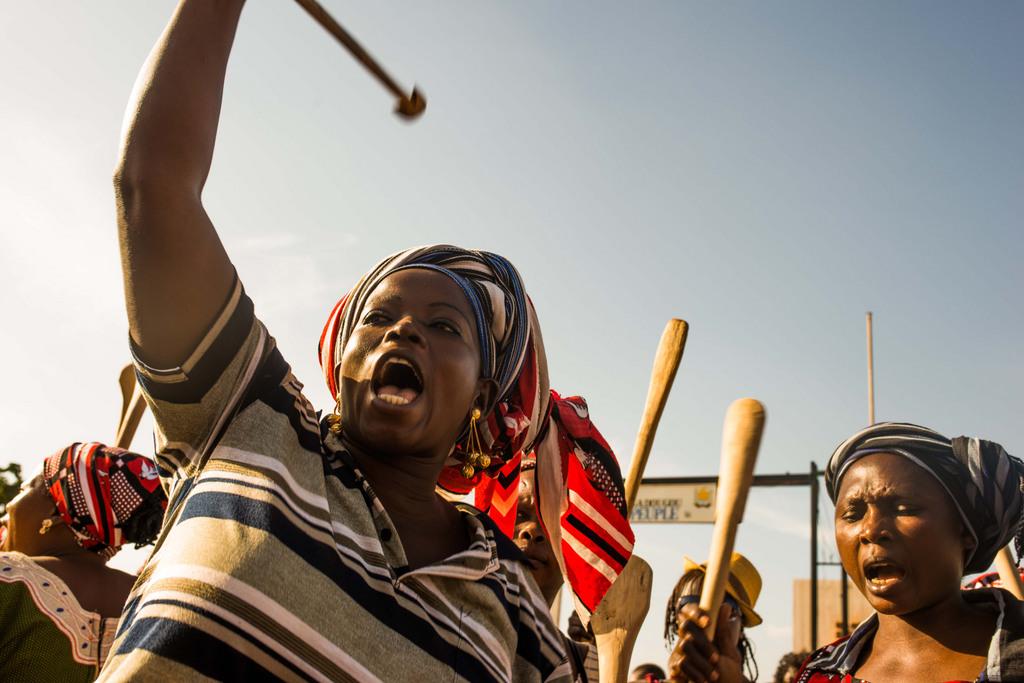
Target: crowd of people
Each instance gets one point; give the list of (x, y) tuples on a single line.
[(915, 513), (298, 545)]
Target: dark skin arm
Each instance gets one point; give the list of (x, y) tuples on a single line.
[(177, 275), (696, 659), (96, 587)]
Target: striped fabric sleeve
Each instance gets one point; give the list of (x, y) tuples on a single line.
[(193, 402)]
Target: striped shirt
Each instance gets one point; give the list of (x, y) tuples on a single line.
[(277, 560), (837, 662)]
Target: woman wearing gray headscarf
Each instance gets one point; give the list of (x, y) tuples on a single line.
[(296, 548), (915, 512)]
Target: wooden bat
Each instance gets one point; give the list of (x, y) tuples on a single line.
[(1009, 575), (618, 618), (666, 363), (132, 407), (741, 438)]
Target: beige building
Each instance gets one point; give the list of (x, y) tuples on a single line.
[(829, 612)]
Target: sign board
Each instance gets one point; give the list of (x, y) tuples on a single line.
[(674, 504)]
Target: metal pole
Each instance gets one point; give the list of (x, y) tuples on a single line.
[(814, 556), (844, 591), (871, 373)]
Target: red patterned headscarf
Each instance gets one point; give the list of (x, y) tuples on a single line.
[(580, 496), (98, 490)]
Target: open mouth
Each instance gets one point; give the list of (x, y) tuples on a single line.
[(397, 381), (882, 573)]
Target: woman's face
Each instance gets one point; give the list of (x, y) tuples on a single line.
[(24, 516), (536, 546), (410, 372), (900, 537)]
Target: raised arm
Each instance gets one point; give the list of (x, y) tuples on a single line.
[(177, 275)]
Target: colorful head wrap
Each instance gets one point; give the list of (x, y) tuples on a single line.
[(983, 480), (105, 495), (581, 501)]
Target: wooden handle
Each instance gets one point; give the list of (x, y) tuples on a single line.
[(666, 363), (741, 438), (125, 380), (132, 407), (617, 620), (1009, 575), (409, 106)]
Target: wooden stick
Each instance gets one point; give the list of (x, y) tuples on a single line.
[(1009, 575), (125, 380), (741, 438), (618, 618), (132, 407), (556, 608), (666, 363), (408, 106)]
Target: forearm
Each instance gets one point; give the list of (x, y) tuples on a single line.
[(171, 121)]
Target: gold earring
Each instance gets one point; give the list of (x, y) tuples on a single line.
[(47, 523), (475, 455), (334, 419)]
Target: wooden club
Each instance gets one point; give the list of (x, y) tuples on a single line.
[(132, 407), (741, 438), (618, 618), (666, 363)]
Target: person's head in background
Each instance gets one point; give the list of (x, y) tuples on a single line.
[(789, 666), (87, 499), (647, 673), (916, 511), (531, 539), (741, 593)]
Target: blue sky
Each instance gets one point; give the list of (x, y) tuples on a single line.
[(767, 171)]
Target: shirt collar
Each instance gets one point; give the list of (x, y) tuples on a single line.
[(478, 560)]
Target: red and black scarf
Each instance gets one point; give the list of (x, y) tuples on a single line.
[(97, 489)]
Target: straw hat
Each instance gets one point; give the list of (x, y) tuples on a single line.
[(744, 585)]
